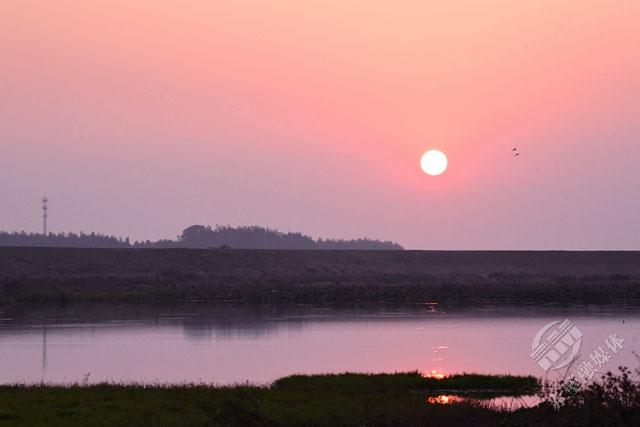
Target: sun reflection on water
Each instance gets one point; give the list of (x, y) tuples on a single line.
[(444, 399), (434, 373), (499, 403)]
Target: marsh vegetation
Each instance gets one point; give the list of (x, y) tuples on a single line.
[(325, 400)]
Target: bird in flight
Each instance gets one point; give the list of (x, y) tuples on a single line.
[(515, 151)]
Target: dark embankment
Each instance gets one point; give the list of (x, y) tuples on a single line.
[(57, 274)]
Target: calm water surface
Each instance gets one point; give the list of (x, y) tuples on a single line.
[(231, 344)]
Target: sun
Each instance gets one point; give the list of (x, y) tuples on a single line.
[(434, 162)]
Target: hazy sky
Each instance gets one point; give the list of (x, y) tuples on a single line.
[(142, 117)]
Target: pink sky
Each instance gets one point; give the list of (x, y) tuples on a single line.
[(142, 117)]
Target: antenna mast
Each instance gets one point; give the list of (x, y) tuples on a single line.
[(45, 209)]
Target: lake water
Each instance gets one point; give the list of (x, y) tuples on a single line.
[(231, 344)]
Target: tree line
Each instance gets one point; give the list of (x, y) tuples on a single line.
[(198, 236), (63, 240)]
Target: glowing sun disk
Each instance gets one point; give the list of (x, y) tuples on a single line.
[(433, 162)]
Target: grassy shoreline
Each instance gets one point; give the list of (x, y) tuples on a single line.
[(343, 399), (400, 399)]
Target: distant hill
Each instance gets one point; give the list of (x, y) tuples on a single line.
[(199, 236), (255, 237)]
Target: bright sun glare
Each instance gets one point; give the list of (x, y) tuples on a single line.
[(433, 162)]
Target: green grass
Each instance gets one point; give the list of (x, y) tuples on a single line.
[(345, 399), (463, 383), (321, 400)]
